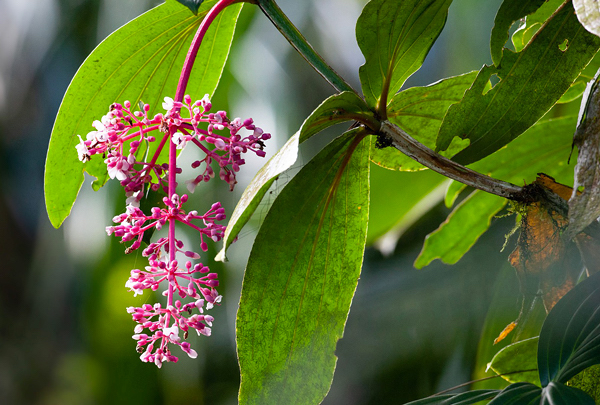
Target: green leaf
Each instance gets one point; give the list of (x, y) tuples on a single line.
[(452, 193), (570, 338), (346, 106), (588, 12), (588, 381), (301, 276), (342, 107), (193, 5), (395, 37), (258, 187), (464, 398), (420, 111), (455, 236), (559, 394), (518, 394), (532, 81), (140, 61), (533, 23), (509, 12), (411, 194), (518, 356)]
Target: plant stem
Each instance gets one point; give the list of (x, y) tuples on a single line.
[(195, 45), (172, 186), (427, 157), (297, 40)]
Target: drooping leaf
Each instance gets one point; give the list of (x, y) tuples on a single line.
[(531, 81), (301, 277), (253, 194), (584, 207), (411, 194), (140, 61), (455, 236), (420, 111), (509, 12), (518, 394), (464, 398), (342, 107), (570, 338), (515, 357), (588, 13), (395, 36), (560, 394)]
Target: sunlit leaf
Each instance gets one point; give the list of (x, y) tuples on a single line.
[(516, 357), (140, 61), (420, 111), (588, 12), (301, 277), (569, 338), (346, 106), (455, 236), (253, 194), (509, 12), (531, 82), (395, 36)]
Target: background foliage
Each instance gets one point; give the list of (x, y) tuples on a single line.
[(65, 333)]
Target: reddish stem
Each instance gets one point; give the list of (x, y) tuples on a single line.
[(197, 41)]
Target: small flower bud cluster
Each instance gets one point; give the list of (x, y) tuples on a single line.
[(131, 143)]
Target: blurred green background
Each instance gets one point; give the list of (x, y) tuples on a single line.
[(65, 337)]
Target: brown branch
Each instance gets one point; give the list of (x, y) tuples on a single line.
[(427, 157)]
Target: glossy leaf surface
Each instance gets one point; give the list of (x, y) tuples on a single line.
[(395, 36), (518, 356), (518, 394), (464, 398), (569, 338), (140, 61), (301, 277), (531, 81)]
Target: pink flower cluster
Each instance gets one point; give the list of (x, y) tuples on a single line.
[(126, 139)]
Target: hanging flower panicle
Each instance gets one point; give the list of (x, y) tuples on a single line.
[(126, 139)]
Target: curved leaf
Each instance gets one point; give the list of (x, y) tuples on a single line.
[(342, 107), (140, 61), (301, 276), (253, 194), (570, 337), (455, 236), (345, 106), (518, 394), (509, 12), (559, 394), (420, 111), (395, 37), (518, 356), (588, 13), (464, 398), (532, 81)]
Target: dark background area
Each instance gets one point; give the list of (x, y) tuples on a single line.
[(65, 337)]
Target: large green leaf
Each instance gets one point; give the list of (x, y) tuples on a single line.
[(301, 276), (531, 82), (395, 37), (588, 12), (346, 106), (560, 394), (515, 357), (509, 12), (420, 111), (455, 236), (570, 338), (543, 148), (464, 398), (140, 61)]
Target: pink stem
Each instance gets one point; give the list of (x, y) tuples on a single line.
[(172, 185), (193, 52)]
